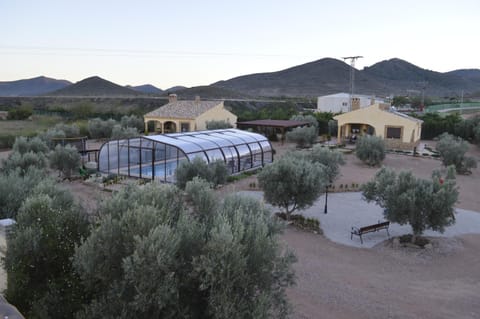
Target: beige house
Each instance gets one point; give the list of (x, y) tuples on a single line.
[(187, 116), (399, 131)]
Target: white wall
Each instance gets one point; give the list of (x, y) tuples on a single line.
[(337, 103)]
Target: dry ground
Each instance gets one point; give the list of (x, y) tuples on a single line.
[(337, 281)]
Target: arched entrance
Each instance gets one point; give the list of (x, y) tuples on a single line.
[(349, 132), (169, 127), (153, 126)]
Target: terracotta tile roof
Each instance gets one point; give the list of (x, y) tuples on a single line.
[(183, 109)]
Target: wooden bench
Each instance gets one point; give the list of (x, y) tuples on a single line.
[(368, 229)]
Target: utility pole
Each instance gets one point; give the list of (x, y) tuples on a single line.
[(352, 77)]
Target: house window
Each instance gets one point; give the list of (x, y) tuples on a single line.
[(185, 127), (394, 132)]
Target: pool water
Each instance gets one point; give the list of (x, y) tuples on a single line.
[(159, 170)]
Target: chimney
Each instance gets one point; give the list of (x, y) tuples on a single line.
[(355, 103), (197, 98), (172, 98)]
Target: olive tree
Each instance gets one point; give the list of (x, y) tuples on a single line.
[(132, 121), (370, 149), (150, 257), (99, 128), (303, 136), (330, 159), (405, 199), (452, 152), (216, 125), (15, 186), (65, 159), (120, 132), (292, 183), (38, 262), (215, 173)]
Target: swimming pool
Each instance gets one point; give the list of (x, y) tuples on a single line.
[(159, 170)]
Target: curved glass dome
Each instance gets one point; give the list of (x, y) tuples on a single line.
[(157, 156)]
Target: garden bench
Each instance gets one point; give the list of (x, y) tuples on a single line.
[(368, 229)]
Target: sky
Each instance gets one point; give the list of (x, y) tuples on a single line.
[(192, 43)]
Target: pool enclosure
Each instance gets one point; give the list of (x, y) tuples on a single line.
[(157, 156)]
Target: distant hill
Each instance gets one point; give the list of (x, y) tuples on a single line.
[(400, 76), (320, 77), (208, 92), (174, 89), (31, 87), (95, 86), (327, 76), (146, 88)]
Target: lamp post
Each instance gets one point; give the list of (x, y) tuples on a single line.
[(326, 198)]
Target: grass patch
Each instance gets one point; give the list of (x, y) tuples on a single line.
[(28, 127)]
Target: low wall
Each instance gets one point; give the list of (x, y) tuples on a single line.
[(399, 145)]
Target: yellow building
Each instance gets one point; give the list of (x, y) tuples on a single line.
[(399, 131), (187, 116)]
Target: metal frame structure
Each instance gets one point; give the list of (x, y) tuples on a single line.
[(157, 156)]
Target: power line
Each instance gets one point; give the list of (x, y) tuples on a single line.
[(45, 50)]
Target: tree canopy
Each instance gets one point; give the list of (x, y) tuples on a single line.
[(423, 204), (370, 149), (452, 151), (150, 258), (292, 183)]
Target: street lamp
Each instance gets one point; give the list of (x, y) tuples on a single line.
[(326, 198)]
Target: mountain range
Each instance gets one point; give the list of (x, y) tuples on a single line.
[(324, 76), (327, 76)]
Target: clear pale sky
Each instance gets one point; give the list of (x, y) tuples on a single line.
[(190, 43)]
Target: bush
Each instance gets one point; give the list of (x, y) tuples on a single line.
[(409, 200), (41, 280), (216, 125), (133, 121), (150, 258), (23, 145), (370, 150), (292, 183), (119, 132), (303, 136), (100, 129), (65, 159), (22, 112), (452, 151), (215, 173), (69, 130), (15, 186), (309, 224), (23, 162), (6, 141)]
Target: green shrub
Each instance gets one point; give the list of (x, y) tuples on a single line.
[(132, 121), (119, 132), (452, 151), (214, 173), (100, 129), (22, 112), (65, 159), (38, 262), (216, 125), (370, 150), (303, 136), (6, 141)]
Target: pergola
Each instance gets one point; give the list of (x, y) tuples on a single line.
[(264, 126)]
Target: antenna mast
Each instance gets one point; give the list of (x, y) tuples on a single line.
[(352, 77)]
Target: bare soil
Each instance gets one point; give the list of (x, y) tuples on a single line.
[(337, 281)]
